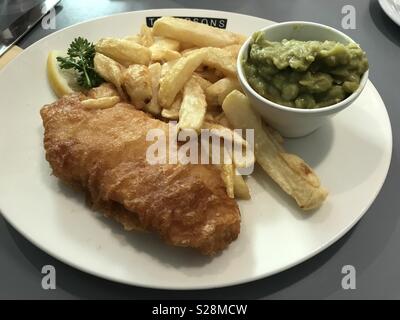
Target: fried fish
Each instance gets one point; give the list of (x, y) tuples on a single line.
[(104, 152)]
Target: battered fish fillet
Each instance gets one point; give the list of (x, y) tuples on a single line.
[(104, 151)]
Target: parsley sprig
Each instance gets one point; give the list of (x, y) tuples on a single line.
[(80, 57)]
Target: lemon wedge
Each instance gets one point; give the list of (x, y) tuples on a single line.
[(62, 81)]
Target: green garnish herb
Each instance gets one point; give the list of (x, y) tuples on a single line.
[(80, 57)]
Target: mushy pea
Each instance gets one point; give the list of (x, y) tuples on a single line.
[(304, 74)]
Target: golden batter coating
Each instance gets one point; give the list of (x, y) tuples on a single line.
[(104, 151)]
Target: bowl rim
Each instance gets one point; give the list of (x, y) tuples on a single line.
[(329, 109)]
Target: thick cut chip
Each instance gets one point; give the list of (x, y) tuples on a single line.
[(165, 43), (234, 139), (124, 51), (146, 36), (219, 59), (101, 103), (204, 83), (240, 187), (176, 77), (173, 112), (137, 83), (195, 33), (162, 54), (153, 106), (165, 67), (228, 175), (111, 71), (225, 132), (288, 171), (193, 108), (217, 92), (104, 90)]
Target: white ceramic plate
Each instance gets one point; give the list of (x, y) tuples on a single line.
[(351, 154), (392, 9)]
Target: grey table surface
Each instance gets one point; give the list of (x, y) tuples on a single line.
[(372, 247)]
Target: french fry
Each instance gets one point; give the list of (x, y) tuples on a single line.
[(204, 83), (111, 71), (146, 36), (198, 34), (101, 103), (227, 172), (228, 176), (233, 50), (233, 139), (217, 92), (165, 43), (173, 112), (176, 77), (137, 83), (170, 114), (193, 108), (298, 165), (276, 137), (104, 90), (124, 51), (227, 169), (290, 173), (240, 187), (165, 67), (221, 60), (155, 73), (225, 133), (161, 54)]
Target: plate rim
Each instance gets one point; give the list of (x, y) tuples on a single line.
[(250, 279), (385, 7)]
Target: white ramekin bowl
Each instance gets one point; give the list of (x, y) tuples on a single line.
[(293, 122)]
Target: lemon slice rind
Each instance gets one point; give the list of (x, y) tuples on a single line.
[(62, 81)]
